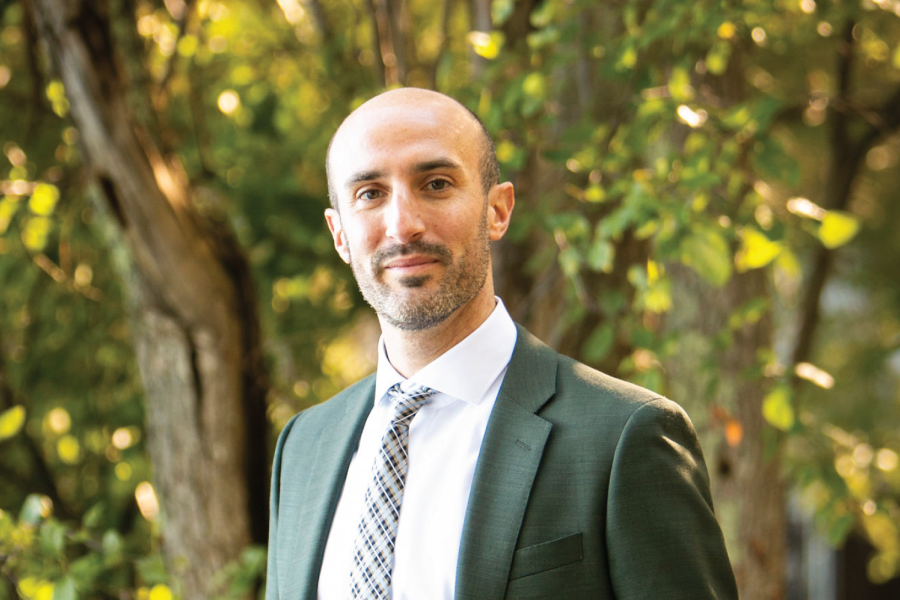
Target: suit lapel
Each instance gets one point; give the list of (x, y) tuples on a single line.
[(510, 455), (324, 483)]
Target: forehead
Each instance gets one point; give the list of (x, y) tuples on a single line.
[(391, 138)]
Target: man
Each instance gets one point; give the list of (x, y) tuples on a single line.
[(476, 462)]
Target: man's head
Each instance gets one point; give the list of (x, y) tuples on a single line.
[(413, 181), (489, 167)]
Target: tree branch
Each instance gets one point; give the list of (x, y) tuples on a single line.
[(846, 160), (170, 64)]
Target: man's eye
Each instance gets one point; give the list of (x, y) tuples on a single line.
[(370, 195), (438, 185)]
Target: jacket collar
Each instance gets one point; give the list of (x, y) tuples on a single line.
[(509, 459)]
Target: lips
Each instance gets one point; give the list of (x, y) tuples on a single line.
[(409, 262), (416, 255)]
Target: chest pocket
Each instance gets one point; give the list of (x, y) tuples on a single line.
[(546, 556)]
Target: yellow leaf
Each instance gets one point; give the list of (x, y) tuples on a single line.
[(486, 45), (837, 229), (11, 422), (506, 151), (43, 199), (187, 45), (594, 193), (160, 592), (756, 251), (45, 592), (896, 60), (35, 232), (68, 449), (628, 59), (777, 409), (726, 30), (534, 85)]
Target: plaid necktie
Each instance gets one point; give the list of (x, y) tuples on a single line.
[(373, 556)]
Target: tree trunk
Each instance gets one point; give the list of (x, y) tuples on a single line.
[(194, 321), (748, 486)]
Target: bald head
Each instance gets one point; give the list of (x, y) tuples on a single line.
[(459, 120)]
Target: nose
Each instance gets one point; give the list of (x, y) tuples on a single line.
[(403, 217)]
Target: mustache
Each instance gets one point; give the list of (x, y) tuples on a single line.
[(432, 250)]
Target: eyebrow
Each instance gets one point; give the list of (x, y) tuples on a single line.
[(423, 167)]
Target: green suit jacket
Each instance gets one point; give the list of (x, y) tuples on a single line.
[(585, 487)]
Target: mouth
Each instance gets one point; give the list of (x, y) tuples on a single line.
[(414, 259), (407, 265)]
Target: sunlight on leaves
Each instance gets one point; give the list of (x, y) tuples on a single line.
[(69, 449), (36, 232), (486, 45), (814, 374), (756, 251), (11, 421), (777, 409), (160, 592), (837, 229)]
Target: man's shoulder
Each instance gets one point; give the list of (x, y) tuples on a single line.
[(581, 387), (335, 409)]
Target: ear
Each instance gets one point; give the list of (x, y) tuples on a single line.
[(501, 200), (333, 218)]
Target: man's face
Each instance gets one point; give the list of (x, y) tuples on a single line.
[(414, 222)]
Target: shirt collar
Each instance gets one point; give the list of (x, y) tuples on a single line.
[(466, 370)]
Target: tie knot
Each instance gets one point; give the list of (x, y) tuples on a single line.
[(407, 404)]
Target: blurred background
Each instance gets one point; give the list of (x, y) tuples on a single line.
[(708, 204)]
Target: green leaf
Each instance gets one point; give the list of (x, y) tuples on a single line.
[(756, 251), (570, 262), (86, 569), (152, 569), (254, 558), (598, 344), (112, 542), (501, 11), (680, 85), (53, 538), (95, 516), (777, 409), (600, 256), (31, 510), (707, 253), (717, 57), (11, 421), (771, 160), (837, 229), (64, 589)]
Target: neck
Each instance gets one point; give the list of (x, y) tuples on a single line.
[(411, 351)]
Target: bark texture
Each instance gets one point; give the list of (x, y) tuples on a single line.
[(195, 324)]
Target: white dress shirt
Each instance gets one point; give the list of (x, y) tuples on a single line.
[(444, 442)]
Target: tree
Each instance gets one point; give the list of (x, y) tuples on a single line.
[(699, 194)]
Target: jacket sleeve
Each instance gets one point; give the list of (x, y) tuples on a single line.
[(663, 538), (272, 587)]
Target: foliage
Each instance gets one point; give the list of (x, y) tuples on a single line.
[(674, 142)]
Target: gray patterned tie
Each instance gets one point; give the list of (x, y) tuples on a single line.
[(373, 548)]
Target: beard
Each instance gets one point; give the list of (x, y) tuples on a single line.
[(462, 279)]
